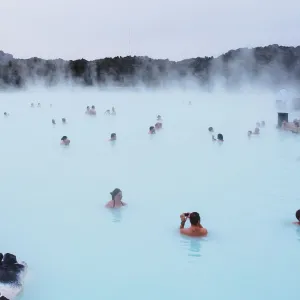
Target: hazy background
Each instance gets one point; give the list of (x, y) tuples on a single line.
[(164, 29)]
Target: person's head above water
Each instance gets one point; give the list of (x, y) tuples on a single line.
[(113, 136), (116, 195), (151, 129), (9, 259), (87, 108), (64, 138), (220, 137), (298, 215), (249, 132), (210, 129), (194, 218), (256, 130), (63, 120), (93, 106)]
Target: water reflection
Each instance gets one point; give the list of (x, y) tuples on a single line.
[(193, 245), (116, 214)]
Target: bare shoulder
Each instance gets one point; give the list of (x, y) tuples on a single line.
[(109, 204), (203, 231)]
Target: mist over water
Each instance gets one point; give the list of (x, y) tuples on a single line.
[(53, 197)]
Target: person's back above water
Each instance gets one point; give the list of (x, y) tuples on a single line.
[(196, 229)]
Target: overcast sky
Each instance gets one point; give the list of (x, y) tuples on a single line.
[(174, 29)]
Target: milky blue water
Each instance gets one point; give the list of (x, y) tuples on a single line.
[(52, 198)]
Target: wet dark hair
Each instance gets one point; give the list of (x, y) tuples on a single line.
[(5, 114), (220, 137), (93, 106), (151, 128), (194, 218), (64, 138), (87, 107), (210, 129), (9, 259), (63, 119), (298, 215), (113, 135), (114, 193)]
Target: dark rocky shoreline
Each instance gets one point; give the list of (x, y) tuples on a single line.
[(274, 66)]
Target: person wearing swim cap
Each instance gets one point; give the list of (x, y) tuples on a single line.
[(297, 217), (116, 199), (196, 229)]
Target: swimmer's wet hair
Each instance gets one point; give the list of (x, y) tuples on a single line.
[(220, 137), (210, 129), (112, 135), (298, 214), (194, 218), (151, 128), (9, 259), (64, 138), (114, 193)]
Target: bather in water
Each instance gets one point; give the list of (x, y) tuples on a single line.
[(87, 110), (116, 199), (93, 110), (113, 137), (107, 112), (113, 111), (158, 125), (65, 141), (53, 122), (256, 131), (196, 229), (64, 121), (12, 275), (297, 217), (152, 130), (219, 138)]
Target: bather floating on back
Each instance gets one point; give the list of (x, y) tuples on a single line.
[(12, 275)]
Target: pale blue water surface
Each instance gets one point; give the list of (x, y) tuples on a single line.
[(52, 198)]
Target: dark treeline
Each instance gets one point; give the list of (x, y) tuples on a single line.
[(272, 65)]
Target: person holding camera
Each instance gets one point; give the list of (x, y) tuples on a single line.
[(196, 229)]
